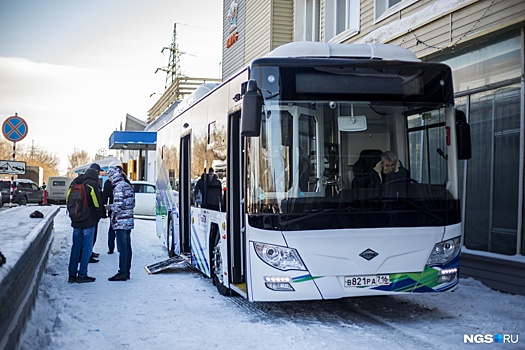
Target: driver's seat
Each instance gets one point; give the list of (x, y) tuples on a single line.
[(368, 158)]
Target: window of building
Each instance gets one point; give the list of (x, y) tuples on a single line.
[(384, 8), (492, 180), (312, 11), (342, 19), (491, 219), (307, 20)]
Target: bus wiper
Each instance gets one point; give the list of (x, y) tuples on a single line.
[(309, 216), (421, 209), (271, 94)]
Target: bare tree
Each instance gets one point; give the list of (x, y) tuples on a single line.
[(6, 149), (79, 157), (34, 156), (101, 154)]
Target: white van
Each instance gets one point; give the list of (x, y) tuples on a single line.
[(57, 187)]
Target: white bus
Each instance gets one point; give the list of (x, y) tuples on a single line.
[(296, 139)]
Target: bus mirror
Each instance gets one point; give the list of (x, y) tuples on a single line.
[(463, 136), (251, 110), (352, 123)]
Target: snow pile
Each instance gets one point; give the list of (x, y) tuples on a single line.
[(435, 9), (18, 231)]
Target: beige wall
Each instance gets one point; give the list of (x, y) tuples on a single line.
[(258, 20), (269, 24), (427, 27)]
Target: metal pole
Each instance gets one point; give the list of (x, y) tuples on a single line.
[(12, 179)]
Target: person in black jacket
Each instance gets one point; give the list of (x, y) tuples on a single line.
[(107, 198), (210, 188), (389, 176), (83, 231), (94, 255)]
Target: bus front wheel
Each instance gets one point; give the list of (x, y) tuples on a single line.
[(217, 275)]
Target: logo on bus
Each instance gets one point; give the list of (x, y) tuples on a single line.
[(368, 254)]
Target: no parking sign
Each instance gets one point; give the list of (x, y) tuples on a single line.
[(14, 128)]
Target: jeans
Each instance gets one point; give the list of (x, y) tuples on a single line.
[(124, 249), (82, 240), (111, 239)]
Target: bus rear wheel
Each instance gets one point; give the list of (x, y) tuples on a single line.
[(170, 245), (217, 275)]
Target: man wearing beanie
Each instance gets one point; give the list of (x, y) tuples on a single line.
[(94, 255), (83, 230)]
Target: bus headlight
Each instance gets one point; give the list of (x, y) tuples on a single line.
[(444, 251), (281, 258), (279, 283)]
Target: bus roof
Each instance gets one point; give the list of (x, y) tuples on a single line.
[(318, 49)]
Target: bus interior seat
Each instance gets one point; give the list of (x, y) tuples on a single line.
[(368, 158)]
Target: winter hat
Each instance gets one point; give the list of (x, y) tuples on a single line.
[(36, 214), (96, 167), (112, 172), (92, 173)]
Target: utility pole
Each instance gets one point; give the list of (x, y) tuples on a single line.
[(173, 68)]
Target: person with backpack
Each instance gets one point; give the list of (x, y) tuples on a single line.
[(94, 255), (83, 203), (122, 220)]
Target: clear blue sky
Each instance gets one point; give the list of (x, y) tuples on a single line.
[(67, 63)]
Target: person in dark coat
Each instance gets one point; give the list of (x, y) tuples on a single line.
[(389, 176), (107, 198), (210, 188), (94, 255), (83, 231)]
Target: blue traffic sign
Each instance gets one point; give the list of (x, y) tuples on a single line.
[(14, 128)]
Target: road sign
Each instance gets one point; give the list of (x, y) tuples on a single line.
[(11, 167), (14, 128)]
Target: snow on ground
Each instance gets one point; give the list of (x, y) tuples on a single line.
[(180, 309)]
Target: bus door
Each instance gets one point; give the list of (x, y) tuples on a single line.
[(185, 195), (234, 204)]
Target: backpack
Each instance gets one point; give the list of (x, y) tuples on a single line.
[(77, 203)]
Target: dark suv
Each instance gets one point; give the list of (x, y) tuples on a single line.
[(24, 191)]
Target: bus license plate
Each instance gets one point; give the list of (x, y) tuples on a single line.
[(367, 281)]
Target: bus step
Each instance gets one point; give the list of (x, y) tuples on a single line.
[(239, 289)]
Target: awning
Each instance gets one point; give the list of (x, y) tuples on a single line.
[(133, 140)]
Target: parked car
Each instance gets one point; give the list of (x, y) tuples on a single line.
[(24, 191), (144, 197), (57, 187)]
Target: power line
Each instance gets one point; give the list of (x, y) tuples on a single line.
[(441, 48)]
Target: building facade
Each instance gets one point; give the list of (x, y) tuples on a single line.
[(483, 42)]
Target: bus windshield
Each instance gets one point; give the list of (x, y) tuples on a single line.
[(318, 164)]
